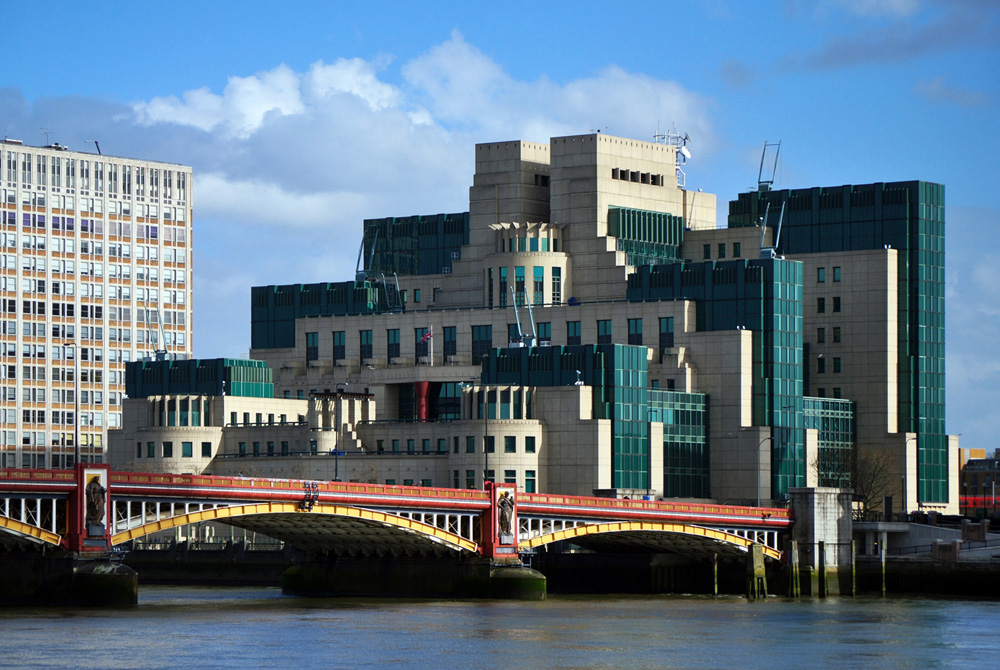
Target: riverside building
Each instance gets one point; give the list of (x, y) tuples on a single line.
[(95, 271), (587, 327)]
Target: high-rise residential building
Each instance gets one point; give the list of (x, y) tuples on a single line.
[(95, 271), (586, 327)]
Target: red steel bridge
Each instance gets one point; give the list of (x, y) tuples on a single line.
[(94, 509)]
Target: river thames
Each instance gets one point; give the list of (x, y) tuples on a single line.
[(182, 627)]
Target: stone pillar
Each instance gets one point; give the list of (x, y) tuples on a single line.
[(823, 519)]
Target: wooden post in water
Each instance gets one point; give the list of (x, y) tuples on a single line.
[(794, 583), (854, 569), (756, 578), (821, 548), (715, 574), (882, 558)]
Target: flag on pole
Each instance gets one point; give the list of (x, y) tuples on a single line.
[(428, 335)]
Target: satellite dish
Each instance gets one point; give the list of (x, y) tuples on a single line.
[(685, 152)]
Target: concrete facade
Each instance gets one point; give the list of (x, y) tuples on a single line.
[(95, 271), (538, 208)]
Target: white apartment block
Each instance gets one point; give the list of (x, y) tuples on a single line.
[(95, 271)]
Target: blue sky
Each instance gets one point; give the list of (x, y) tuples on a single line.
[(301, 119)]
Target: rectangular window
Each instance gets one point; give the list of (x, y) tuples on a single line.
[(820, 275), (538, 284), (482, 341), (470, 444), (187, 449), (556, 286), (339, 345), (425, 446), (411, 446), (530, 485), (836, 304), (206, 449), (836, 333), (421, 338), (151, 449), (450, 341), (365, 338), (529, 444), (503, 287), (635, 331), (490, 444), (736, 249), (491, 476), (510, 476), (820, 305), (573, 332), (604, 331), (454, 479), (392, 343), (836, 274), (395, 446), (836, 392), (666, 332), (706, 251), (545, 331), (270, 448), (442, 445), (519, 286), (836, 365), (168, 449), (722, 250), (416, 295), (312, 346), (256, 448), (820, 335), (470, 479), (510, 444), (243, 448), (821, 365), (284, 448)]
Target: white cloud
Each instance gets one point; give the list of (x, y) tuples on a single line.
[(282, 156), (238, 112)]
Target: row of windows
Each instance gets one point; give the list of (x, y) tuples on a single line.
[(509, 477), (637, 177), (821, 304), (59, 172), (482, 338), (706, 250), (821, 335), (821, 365), (166, 449), (821, 274)]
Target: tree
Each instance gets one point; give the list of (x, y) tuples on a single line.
[(872, 477), (866, 470)]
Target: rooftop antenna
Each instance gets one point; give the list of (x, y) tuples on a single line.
[(361, 272), (96, 144), (763, 182), (681, 152), (520, 335), (45, 131), (771, 251)]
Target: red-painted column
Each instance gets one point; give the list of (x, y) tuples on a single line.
[(422, 391), (500, 523), (89, 509)]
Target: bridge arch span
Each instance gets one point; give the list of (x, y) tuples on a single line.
[(649, 535), (322, 527), (23, 533)]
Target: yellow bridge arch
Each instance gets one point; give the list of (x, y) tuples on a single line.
[(23, 531), (646, 526), (366, 516)]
